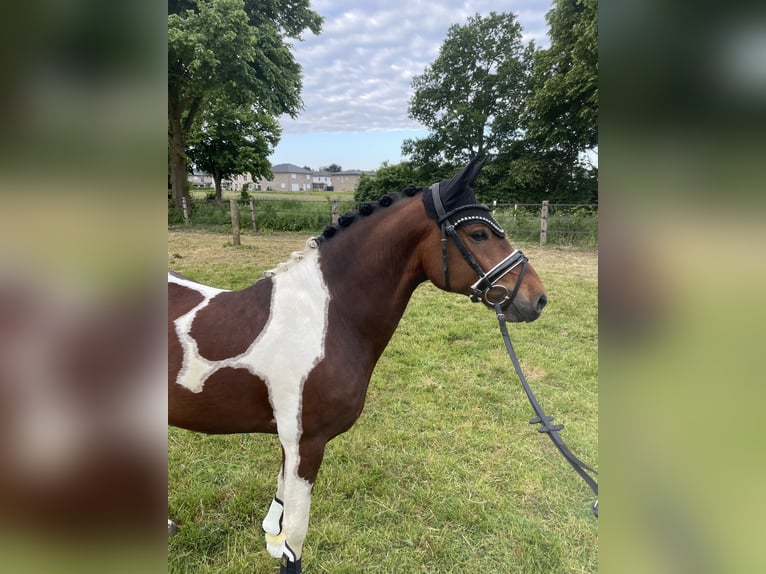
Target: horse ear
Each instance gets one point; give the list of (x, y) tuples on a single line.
[(462, 181), (474, 167)]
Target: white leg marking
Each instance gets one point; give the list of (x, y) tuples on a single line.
[(296, 519), (294, 513)]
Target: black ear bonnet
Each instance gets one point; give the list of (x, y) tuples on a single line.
[(459, 202)]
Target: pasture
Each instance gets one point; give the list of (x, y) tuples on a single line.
[(441, 473)]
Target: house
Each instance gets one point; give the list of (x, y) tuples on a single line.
[(322, 181), (238, 182), (288, 177), (346, 180), (199, 178)]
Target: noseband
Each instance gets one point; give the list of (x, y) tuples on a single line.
[(486, 287)]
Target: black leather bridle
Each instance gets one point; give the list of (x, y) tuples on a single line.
[(499, 297), (486, 287)]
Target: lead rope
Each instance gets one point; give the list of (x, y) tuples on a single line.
[(545, 420)]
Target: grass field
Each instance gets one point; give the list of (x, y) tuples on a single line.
[(441, 473)]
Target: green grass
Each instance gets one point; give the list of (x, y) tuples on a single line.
[(441, 473), (278, 212), (201, 193)]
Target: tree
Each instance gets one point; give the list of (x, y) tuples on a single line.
[(533, 112), (561, 116), (477, 84), (524, 175), (388, 178), (563, 107), (332, 168), (232, 140), (234, 47)]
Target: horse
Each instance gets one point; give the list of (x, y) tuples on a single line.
[(293, 353)]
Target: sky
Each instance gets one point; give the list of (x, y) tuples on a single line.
[(357, 75)]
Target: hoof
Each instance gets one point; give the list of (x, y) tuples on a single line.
[(288, 567), (172, 528)]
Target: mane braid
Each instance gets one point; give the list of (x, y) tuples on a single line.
[(365, 208)]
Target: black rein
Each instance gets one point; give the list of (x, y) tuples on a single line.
[(544, 420)]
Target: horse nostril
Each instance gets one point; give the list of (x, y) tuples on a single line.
[(542, 301)]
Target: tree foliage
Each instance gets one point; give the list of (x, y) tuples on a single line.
[(231, 140), (236, 47), (476, 83), (533, 112), (388, 178), (562, 112)]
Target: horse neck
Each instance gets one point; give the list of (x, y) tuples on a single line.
[(374, 266)]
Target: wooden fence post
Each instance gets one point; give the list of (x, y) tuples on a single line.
[(335, 210), (186, 209), (234, 222), (252, 214), (544, 223)]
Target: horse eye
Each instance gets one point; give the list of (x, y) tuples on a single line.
[(479, 236)]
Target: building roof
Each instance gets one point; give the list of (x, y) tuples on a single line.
[(288, 168), (349, 172)]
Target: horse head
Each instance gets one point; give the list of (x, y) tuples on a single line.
[(471, 255)]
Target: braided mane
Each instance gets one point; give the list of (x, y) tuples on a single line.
[(365, 209)]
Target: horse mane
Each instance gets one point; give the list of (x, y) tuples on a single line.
[(366, 208)]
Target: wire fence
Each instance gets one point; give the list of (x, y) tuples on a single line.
[(557, 224)]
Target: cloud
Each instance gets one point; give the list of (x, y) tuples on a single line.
[(357, 73)]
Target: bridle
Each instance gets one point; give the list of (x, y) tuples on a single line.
[(500, 298), (486, 287)]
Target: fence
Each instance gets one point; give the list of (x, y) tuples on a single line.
[(559, 224)]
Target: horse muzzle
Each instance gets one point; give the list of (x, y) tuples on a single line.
[(515, 307)]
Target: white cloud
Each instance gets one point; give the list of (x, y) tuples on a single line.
[(357, 72)]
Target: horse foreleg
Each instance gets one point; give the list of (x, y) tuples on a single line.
[(299, 470), (272, 524)]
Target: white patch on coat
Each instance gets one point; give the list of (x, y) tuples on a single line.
[(194, 370), (283, 355), (287, 349)]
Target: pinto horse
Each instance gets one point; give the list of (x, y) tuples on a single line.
[(293, 353)]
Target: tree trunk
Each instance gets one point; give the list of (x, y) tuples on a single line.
[(178, 131), (178, 177), (217, 177)]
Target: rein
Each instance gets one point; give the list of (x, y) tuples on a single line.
[(544, 420), (499, 297)]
